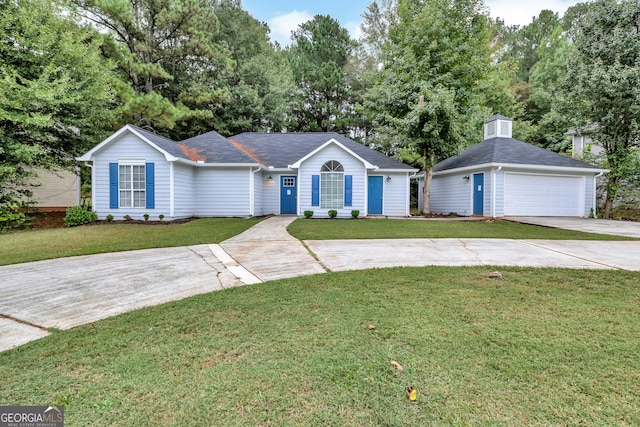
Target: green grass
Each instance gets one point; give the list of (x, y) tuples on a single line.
[(85, 240), (323, 229), (535, 347)]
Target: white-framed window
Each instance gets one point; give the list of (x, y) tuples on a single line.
[(132, 185), (288, 181), (332, 185)]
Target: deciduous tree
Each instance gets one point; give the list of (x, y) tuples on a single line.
[(55, 92), (603, 82)]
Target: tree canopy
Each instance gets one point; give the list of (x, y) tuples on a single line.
[(56, 97), (603, 83)]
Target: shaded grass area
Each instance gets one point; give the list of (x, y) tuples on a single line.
[(85, 240), (535, 347), (323, 229)]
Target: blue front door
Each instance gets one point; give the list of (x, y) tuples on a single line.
[(478, 194), (288, 195), (374, 194)]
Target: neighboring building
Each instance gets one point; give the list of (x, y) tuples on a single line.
[(54, 190), (502, 176), (136, 172), (581, 142)]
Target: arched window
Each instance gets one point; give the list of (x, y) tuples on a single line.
[(332, 185)]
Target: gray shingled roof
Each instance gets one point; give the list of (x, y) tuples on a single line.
[(215, 148), (269, 149), (509, 150), (166, 144), (283, 149)]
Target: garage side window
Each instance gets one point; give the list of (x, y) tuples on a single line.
[(332, 185), (132, 184)]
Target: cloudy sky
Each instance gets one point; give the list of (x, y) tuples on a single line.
[(283, 16)]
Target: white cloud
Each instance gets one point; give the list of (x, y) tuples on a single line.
[(522, 13), (282, 25), (354, 29)]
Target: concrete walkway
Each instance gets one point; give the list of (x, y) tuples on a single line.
[(68, 292)]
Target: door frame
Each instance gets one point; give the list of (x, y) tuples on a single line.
[(477, 194), (381, 186), (294, 188)]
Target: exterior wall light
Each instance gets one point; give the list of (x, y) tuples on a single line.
[(388, 178), (269, 179), (466, 177)]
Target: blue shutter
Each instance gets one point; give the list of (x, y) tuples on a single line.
[(315, 190), (151, 194), (113, 185), (348, 180)]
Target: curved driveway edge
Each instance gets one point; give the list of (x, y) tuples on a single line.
[(67, 292), (341, 255)]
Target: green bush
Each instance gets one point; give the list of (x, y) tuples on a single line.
[(161, 217), (146, 217), (127, 217), (333, 213), (109, 218), (355, 213), (308, 214), (78, 215), (11, 218)]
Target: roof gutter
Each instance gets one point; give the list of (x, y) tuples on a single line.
[(520, 166)]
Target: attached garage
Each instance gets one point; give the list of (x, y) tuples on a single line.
[(543, 195), (502, 176)]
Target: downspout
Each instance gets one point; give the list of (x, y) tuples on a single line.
[(252, 192)]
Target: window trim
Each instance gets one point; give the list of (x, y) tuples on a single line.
[(132, 190), (334, 169)]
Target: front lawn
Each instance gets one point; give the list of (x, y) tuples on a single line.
[(37, 245), (324, 229), (535, 347)]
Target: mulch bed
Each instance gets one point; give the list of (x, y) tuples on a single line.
[(46, 220)]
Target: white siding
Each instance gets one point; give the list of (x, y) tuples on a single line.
[(129, 147), (395, 195), (258, 184), (271, 192), (312, 166), (452, 193), (589, 195), (499, 196), (183, 191), (223, 191)]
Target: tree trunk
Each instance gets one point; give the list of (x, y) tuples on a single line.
[(426, 190)]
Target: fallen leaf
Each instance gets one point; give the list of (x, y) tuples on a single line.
[(412, 394), (371, 326), (397, 365)]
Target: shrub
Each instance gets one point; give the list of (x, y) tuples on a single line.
[(78, 215), (308, 214), (161, 217), (109, 218), (11, 218), (333, 213), (127, 217), (355, 213), (146, 217)]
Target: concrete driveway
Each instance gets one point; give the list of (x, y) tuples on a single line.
[(68, 292), (588, 225)]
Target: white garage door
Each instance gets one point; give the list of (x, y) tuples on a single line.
[(543, 195)]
